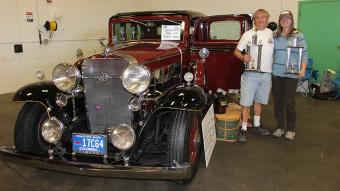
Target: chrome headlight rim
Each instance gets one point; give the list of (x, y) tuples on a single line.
[(127, 82), (135, 104), (58, 78), (203, 53), (188, 77), (117, 142), (60, 127)]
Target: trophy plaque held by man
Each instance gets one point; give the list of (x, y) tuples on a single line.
[(254, 49), (293, 66)]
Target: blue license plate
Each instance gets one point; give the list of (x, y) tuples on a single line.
[(89, 144)]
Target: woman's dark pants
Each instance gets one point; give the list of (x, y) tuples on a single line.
[(284, 92)]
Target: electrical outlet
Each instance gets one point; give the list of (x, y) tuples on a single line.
[(18, 48)]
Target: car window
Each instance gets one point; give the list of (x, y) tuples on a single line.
[(225, 30), (143, 30)]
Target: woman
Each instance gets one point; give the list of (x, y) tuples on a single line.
[(284, 84)]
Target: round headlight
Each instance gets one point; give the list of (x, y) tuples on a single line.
[(66, 77), (52, 130), (122, 136), (136, 79)]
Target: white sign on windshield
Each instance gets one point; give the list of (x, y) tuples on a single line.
[(171, 32)]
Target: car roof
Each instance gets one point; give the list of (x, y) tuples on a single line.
[(190, 14)]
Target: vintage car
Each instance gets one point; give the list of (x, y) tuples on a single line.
[(135, 110)]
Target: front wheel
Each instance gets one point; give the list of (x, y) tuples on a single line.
[(27, 132), (185, 140)]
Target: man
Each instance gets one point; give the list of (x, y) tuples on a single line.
[(256, 85)]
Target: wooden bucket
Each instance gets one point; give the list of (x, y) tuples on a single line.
[(228, 124)]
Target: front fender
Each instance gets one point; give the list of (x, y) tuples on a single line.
[(191, 98), (40, 92)]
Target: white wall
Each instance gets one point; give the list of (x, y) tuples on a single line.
[(218, 7), (83, 22)]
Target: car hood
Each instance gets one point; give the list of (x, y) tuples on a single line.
[(146, 52)]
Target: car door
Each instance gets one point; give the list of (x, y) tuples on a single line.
[(220, 34)]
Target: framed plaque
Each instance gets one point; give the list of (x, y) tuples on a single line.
[(293, 65)]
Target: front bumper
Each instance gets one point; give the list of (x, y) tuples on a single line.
[(8, 154)]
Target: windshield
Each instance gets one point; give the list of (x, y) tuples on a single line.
[(165, 29)]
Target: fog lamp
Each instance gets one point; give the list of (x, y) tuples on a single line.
[(122, 136), (52, 130)]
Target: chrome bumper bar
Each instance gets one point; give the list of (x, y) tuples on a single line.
[(9, 155)]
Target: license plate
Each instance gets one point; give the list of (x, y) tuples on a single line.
[(89, 144)]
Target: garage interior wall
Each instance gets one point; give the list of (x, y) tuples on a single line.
[(81, 24)]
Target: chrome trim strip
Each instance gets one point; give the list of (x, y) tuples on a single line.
[(221, 49), (161, 58), (48, 110), (100, 77)]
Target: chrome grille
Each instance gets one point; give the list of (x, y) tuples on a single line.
[(106, 99)]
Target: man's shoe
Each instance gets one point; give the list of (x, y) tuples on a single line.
[(290, 135), (278, 133), (242, 136), (260, 131)]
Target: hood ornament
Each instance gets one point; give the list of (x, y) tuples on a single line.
[(108, 51)]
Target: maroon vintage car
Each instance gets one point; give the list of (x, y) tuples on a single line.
[(135, 110)]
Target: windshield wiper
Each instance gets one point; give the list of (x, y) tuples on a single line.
[(172, 21), (138, 22)]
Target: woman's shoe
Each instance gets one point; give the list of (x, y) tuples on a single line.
[(278, 133), (290, 135)]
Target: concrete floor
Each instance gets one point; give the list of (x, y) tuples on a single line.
[(311, 162)]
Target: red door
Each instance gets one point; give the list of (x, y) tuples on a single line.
[(220, 34)]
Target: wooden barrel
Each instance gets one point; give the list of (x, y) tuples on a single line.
[(227, 124)]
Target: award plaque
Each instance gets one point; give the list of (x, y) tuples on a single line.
[(293, 66), (254, 49)]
